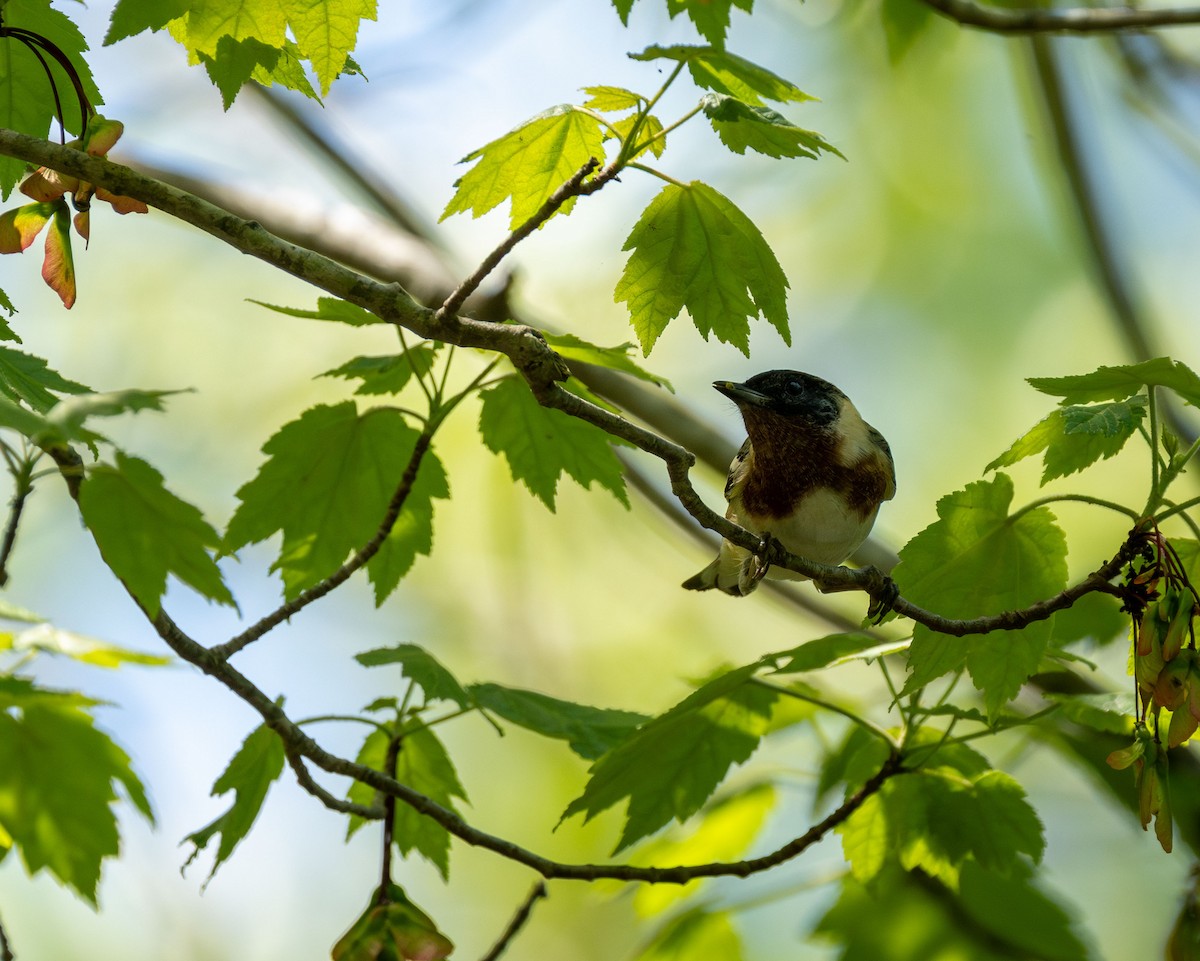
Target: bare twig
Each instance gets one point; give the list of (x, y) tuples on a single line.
[(518, 921), (343, 573), (395, 742), (1072, 20), (373, 812), (10, 530)]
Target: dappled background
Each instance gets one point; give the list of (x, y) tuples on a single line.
[(948, 257)]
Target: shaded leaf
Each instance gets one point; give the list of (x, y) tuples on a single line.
[(328, 308), (1117, 383), (672, 764), (249, 775), (613, 358), (388, 374), (394, 930), (822, 652), (421, 667), (741, 126), (541, 444), (145, 532), (699, 934), (693, 249), (24, 377), (589, 731)]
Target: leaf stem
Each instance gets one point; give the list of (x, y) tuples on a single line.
[(656, 173), (1080, 498), (862, 722)]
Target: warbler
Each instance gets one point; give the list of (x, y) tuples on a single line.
[(811, 474)]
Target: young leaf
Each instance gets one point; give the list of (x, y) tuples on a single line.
[(541, 444), (1075, 437), (1117, 383), (976, 560), (325, 485), (528, 164), (389, 374), (145, 532), (692, 248), (589, 731), (613, 358), (57, 773), (722, 72), (328, 308), (250, 774), (741, 125), (612, 99), (24, 377), (421, 667), (423, 765), (671, 765), (650, 136)]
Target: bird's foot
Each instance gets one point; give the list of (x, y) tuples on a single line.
[(884, 594)]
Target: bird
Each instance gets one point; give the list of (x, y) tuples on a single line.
[(811, 474)]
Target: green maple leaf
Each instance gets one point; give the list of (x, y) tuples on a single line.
[(131, 17), (528, 164), (541, 444), (6, 332), (1075, 437), (721, 72), (387, 374), (57, 773), (589, 731), (692, 248), (572, 347), (672, 764), (326, 33), (742, 125), (697, 933), (423, 765), (26, 97), (325, 486), (249, 775), (975, 560), (612, 99), (234, 62), (145, 532), (1117, 383), (329, 308), (421, 667), (24, 377)]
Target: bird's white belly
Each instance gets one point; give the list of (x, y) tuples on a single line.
[(825, 530)]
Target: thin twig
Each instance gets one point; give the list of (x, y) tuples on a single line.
[(373, 812), (5, 950), (1073, 20), (343, 573), (395, 742), (573, 187), (10, 529), (518, 921)]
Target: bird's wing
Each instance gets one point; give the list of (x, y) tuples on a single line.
[(739, 470), (878, 441)]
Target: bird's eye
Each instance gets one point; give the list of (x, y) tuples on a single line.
[(793, 387)]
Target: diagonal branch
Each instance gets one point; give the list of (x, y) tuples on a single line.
[(518, 921), (1007, 20)]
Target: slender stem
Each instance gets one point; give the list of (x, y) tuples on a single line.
[(662, 134), (626, 151), (517, 923), (1177, 509), (656, 173), (22, 488), (1080, 498), (1155, 463), (346, 718), (868, 726), (389, 818)]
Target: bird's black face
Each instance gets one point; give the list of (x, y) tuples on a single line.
[(790, 393)]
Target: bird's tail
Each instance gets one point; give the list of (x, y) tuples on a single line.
[(706, 580)]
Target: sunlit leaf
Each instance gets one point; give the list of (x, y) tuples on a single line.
[(742, 125), (722, 72), (613, 358)]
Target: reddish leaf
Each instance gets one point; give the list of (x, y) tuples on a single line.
[(19, 227), (58, 268), (83, 225), (122, 205), (48, 185)]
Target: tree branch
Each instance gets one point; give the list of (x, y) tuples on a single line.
[(518, 921), (343, 573), (1073, 20)]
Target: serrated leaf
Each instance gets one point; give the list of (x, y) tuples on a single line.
[(57, 776), (672, 764), (589, 731), (24, 377), (287, 71), (1112, 713), (692, 248), (6, 332), (249, 775), (387, 374), (45, 638), (145, 532), (650, 135), (742, 125), (423, 765), (612, 99), (328, 308), (1117, 383), (231, 65), (326, 34), (976, 560), (1075, 437), (421, 667), (325, 486), (613, 358), (528, 164), (1012, 908), (131, 17), (27, 102), (724, 72), (541, 444), (69, 414)]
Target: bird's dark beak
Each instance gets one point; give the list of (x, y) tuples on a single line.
[(741, 394)]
